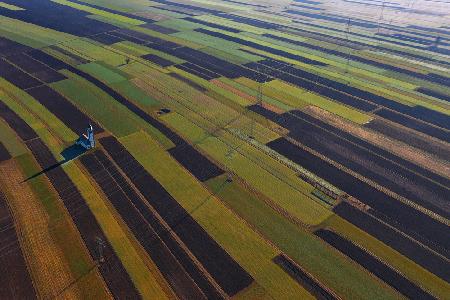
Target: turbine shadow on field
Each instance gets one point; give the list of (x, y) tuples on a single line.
[(70, 153)]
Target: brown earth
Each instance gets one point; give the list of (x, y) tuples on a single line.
[(419, 157)]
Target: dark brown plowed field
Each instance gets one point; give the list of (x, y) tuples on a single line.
[(15, 281), (200, 166)]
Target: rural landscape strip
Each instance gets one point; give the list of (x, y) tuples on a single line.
[(71, 112), (368, 160), (395, 177), (401, 204), (444, 181), (373, 265), (405, 115), (231, 277), (63, 109), (361, 59), (35, 68), (18, 284), (389, 236), (17, 76), (411, 138), (112, 270), (302, 278), (405, 218), (174, 264)]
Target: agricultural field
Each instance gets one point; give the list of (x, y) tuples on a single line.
[(224, 149)]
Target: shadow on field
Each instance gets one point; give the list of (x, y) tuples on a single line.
[(70, 153)]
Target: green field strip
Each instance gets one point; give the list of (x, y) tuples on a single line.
[(62, 230), (131, 48), (100, 12), (179, 25), (137, 69), (405, 266), (106, 110), (212, 87), (11, 141), (10, 6), (130, 91), (220, 223), (21, 39), (296, 203), (327, 265), (213, 108), (109, 21), (254, 92), (97, 70), (93, 52), (65, 55)]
